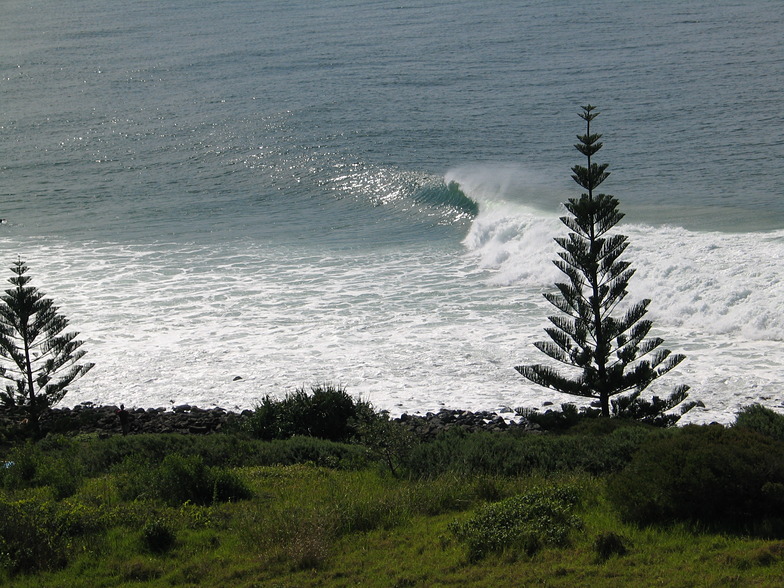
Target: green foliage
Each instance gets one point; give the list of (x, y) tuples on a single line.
[(762, 420), (328, 412), (180, 479), (608, 544), (509, 455), (31, 466), (612, 354), (32, 536), (541, 517), (553, 420), (39, 359), (158, 536), (63, 464), (656, 412), (388, 440), (101, 455), (731, 479), (308, 525)]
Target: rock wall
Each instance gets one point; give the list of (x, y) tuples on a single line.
[(186, 419)]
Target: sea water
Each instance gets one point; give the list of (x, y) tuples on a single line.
[(237, 198)]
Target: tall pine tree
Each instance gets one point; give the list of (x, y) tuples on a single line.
[(612, 354), (37, 357)]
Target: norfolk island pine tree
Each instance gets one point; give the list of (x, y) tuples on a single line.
[(611, 355), (37, 357)]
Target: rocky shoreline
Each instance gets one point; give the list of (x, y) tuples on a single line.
[(186, 419)]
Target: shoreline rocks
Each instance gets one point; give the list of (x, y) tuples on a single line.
[(186, 419), (429, 426)]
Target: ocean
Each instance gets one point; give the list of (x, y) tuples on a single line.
[(236, 198)]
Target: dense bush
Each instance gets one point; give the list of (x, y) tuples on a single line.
[(310, 450), (656, 412), (728, 478), (328, 412), (387, 440), (511, 455), (527, 522), (608, 544), (762, 420), (180, 479), (38, 465), (32, 536), (158, 536), (63, 463)]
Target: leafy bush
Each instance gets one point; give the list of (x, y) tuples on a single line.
[(387, 440), (32, 537), (553, 420), (762, 420), (728, 478), (101, 455), (541, 517), (657, 412), (30, 466), (158, 536), (328, 412), (608, 544), (180, 479), (509, 455), (319, 452), (225, 450)]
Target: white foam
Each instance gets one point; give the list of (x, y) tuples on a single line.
[(716, 296), (411, 329)]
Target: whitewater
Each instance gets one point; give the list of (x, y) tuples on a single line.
[(412, 329)]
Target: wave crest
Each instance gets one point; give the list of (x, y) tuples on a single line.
[(426, 194), (700, 283)]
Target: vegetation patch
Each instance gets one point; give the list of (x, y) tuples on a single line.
[(327, 412), (540, 517), (182, 479), (731, 479)]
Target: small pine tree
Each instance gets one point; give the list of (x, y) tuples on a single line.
[(608, 351), (38, 358)]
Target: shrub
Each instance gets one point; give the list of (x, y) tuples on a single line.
[(31, 536), (185, 478), (608, 544), (388, 441), (509, 455), (528, 522), (319, 452), (101, 455), (328, 412), (553, 420), (180, 479), (762, 420), (727, 478), (29, 466), (157, 536), (632, 408)]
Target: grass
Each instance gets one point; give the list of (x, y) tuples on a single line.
[(309, 526), (306, 524)]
